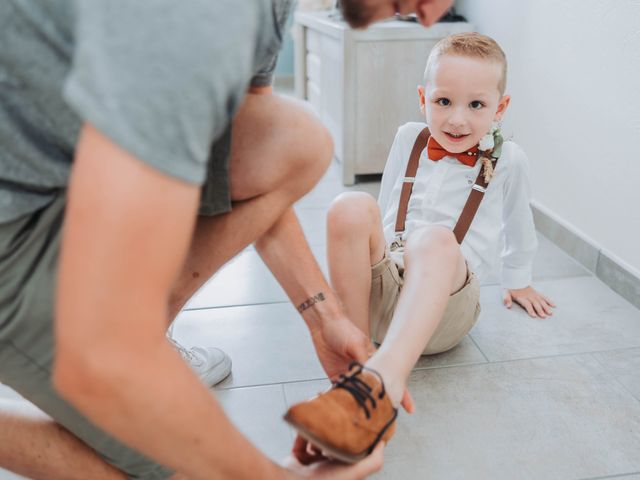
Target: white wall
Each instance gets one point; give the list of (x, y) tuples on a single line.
[(575, 82)]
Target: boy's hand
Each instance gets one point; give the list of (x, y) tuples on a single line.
[(536, 304)]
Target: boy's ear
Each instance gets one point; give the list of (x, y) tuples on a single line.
[(502, 107), (421, 97)]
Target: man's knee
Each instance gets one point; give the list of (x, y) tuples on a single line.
[(432, 240), (352, 211), (277, 142), (312, 151)]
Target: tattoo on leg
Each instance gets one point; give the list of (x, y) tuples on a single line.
[(310, 302)]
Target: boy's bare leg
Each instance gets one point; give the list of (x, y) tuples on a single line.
[(279, 152), (355, 242), (434, 269)]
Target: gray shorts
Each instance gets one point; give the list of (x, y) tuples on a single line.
[(29, 248), (215, 197)]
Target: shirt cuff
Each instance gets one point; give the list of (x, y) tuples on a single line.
[(513, 278)]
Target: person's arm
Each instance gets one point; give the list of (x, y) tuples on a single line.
[(392, 170), (520, 241), (126, 233), (336, 339), (286, 253)]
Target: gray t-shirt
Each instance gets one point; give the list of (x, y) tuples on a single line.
[(161, 78)]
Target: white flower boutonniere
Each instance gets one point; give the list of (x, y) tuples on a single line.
[(486, 142), (491, 147)]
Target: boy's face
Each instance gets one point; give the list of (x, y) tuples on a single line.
[(461, 99)]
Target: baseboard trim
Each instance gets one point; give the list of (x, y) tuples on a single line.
[(621, 278)]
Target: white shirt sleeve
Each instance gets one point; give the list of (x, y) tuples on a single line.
[(520, 240), (392, 170)]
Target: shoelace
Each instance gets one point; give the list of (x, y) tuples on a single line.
[(186, 354), (360, 391)]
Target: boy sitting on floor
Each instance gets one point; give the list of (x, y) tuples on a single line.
[(407, 268)]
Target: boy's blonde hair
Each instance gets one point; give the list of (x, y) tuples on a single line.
[(473, 45)]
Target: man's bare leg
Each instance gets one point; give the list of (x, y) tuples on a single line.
[(434, 269), (33, 445), (279, 152), (355, 242)]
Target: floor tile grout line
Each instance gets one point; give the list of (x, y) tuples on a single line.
[(442, 367), (478, 347), (514, 360), (560, 355), (292, 434), (271, 384), (606, 477), (284, 393), (454, 365), (234, 306), (615, 377)]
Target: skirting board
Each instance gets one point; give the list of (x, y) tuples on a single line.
[(621, 278)]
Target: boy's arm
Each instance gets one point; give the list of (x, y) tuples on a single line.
[(520, 241), (536, 304), (392, 170)]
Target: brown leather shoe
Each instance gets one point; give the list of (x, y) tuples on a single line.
[(348, 420)]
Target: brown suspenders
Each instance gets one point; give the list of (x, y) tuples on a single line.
[(470, 208)]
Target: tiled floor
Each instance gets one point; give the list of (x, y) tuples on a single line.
[(520, 398)]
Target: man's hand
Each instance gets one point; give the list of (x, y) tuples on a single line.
[(536, 304), (330, 470), (338, 343)]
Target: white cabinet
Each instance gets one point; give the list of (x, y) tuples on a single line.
[(363, 83)]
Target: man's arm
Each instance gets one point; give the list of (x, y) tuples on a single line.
[(126, 233), (287, 254)]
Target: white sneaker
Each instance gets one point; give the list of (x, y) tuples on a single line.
[(211, 364)]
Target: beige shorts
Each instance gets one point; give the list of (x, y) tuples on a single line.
[(459, 317)]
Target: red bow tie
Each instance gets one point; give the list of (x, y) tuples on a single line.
[(437, 152)]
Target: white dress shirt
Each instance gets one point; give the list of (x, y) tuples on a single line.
[(503, 225)]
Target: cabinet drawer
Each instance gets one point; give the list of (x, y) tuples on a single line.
[(314, 40), (314, 67), (314, 96)]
